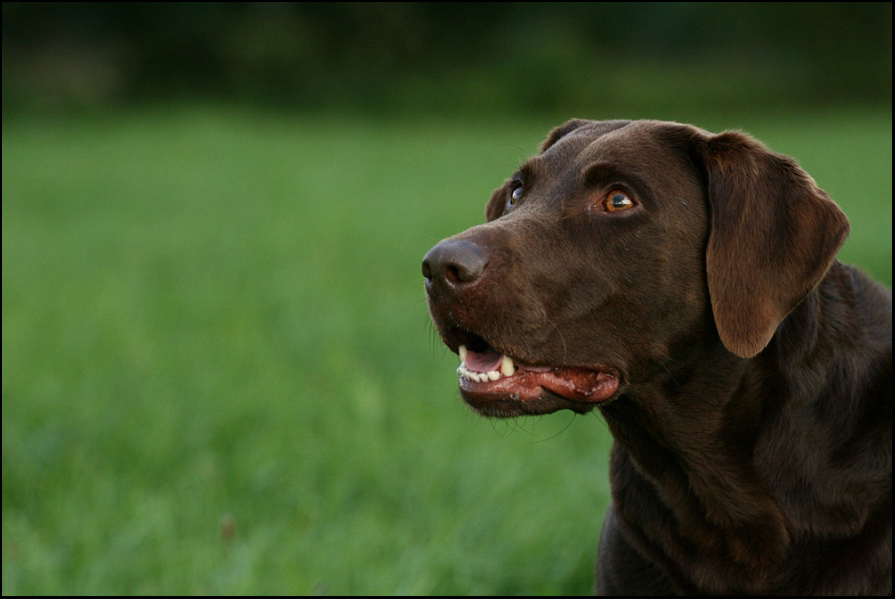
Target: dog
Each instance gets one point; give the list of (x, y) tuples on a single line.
[(685, 284)]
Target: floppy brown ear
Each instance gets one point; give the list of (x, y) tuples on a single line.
[(773, 236)]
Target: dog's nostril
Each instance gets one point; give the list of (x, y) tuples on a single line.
[(454, 262), (452, 273)]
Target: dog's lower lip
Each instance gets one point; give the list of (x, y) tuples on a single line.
[(521, 382)]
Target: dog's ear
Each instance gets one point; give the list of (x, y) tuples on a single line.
[(561, 131), (773, 236)]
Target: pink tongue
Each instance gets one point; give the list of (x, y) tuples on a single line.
[(485, 362)]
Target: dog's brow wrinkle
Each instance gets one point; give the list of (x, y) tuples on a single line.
[(528, 172), (676, 384)]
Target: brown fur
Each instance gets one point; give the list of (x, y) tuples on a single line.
[(752, 418)]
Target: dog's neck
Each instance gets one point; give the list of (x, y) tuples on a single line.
[(701, 436), (691, 434)]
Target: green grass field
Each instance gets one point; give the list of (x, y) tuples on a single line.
[(219, 374)]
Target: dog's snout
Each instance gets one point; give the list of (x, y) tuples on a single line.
[(454, 263)]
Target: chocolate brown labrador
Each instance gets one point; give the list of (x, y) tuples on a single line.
[(685, 284)]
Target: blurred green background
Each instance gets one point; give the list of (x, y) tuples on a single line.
[(219, 374)]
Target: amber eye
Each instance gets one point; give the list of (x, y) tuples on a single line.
[(617, 200)]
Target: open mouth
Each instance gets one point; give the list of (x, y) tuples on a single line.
[(488, 376)]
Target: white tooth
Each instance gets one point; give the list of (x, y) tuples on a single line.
[(507, 367), (462, 354), (476, 377), (493, 375)]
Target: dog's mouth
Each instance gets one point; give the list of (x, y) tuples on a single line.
[(497, 385)]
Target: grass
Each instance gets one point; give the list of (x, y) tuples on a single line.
[(219, 376)]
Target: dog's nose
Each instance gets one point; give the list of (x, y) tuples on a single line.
[(453, 263)]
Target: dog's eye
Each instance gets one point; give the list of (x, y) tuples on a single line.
[(617, 200), (515, 196)]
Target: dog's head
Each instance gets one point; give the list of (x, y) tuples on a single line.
[(621, 246)]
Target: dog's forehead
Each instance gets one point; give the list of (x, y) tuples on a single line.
[(635, 141), (650, 156)]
